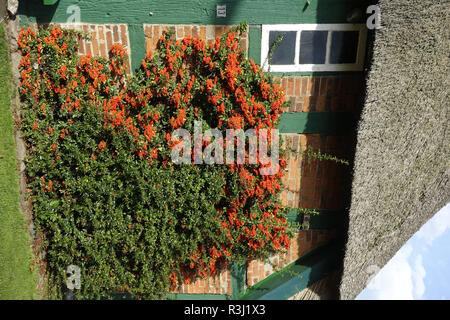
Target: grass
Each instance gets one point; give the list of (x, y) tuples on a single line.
[(16, 279)]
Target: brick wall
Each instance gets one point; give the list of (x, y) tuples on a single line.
[(308, 184), (219, 284), (208, 33), (103, 36), (302, 243), (311, 183), (321, 93)]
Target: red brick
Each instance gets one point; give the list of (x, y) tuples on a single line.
[(180, 32), (156, 32), (172, 30), (323, 86), (148, 46), (298, 87), (148, 31), (316, 86), (261, 271), (306, 104), (218, 30), (320, 105), (86, 28), (310, 89), (284, 198), (81, 46), (203, 33), (108, 40), (187, 31), (195, 32), (89, 48), (116, 33), (304, 86), (284, 84), (124, 34), (101, 34), (290, 86), (243, 44), (330, 86), (103, 50)]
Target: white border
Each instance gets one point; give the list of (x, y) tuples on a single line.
[(296, 67)]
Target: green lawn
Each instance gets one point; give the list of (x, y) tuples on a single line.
[(16, 279)]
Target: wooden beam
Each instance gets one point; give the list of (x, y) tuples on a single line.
[(298, 275), (317, 122)]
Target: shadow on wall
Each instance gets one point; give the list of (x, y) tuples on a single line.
[(314, 184), (42, 14), (355, 12)]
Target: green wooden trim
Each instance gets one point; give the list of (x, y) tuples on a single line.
[(317, 122), (202, 12), (193, 296), (298, 275), (254, 44), (137, 45), (238, 279), (49, 2)]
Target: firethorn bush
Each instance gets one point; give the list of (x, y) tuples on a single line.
[(105, 193)]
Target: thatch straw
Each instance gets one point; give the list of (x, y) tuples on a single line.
[(402, 162)]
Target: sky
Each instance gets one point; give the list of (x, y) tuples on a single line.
[(420, 270)]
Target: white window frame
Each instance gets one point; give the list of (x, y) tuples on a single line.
[(296, 67)]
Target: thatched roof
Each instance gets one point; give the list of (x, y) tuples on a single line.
[(402, 161)]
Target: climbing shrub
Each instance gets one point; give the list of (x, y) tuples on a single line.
[(105, 193)]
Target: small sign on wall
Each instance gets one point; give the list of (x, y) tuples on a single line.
[(221, 11)]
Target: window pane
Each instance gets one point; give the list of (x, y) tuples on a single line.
[(344, 45), (313, 47), (284, 51)]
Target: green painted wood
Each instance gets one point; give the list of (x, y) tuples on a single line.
[(137, 45), (254, 44), (192, 296), (201, 12), (316, 122), (238, 279), (298, 275), (49, 2)]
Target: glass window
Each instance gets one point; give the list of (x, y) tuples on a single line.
[(344, 46), (313, 47), (284, 52)]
